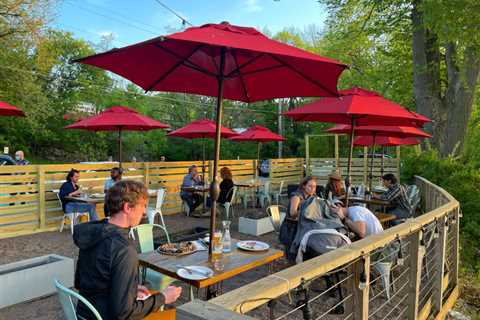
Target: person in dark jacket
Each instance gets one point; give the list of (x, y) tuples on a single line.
[(226, 185), (107, 266), (70, 188)]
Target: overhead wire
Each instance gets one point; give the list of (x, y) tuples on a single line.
[(184, 20)]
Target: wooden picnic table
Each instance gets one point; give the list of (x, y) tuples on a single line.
[(86, 198), (369, 202), (385, 218), (202, 189), (235, 263)]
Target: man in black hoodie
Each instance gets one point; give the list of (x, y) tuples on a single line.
[(107, 266)]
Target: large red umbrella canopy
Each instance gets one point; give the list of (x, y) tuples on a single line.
[(203, 128), (223, 61), (254, 67), (119, 119), (379, 131), (363, 106), (258, 134), (367, 141), (7, 109)]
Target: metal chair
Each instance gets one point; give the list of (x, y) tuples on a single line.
[(72, 216), (67, 297), (276, 195), (413, 196), (275, 216), (152, 212), (264, 195), (144, 234), (228, 206)]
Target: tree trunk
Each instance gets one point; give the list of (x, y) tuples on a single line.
[(450, 110)]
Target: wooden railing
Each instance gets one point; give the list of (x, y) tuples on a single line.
[(423, 257)]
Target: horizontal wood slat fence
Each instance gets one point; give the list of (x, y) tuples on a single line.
[(422, 257)]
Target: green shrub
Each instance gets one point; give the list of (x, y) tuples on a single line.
[(462, 180)]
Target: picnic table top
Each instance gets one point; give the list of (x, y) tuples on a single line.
[(235, 263)]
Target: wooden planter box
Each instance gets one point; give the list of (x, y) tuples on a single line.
[(256, 226), (33, 278)]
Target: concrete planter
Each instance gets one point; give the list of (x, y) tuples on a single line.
[(32, 278), (256, 227)]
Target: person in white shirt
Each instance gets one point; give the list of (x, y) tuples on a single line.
[(359, 219)]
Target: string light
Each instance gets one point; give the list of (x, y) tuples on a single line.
[(400, 259), (436, 233), (362, 284)]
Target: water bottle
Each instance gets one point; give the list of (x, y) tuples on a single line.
[(226, 239)]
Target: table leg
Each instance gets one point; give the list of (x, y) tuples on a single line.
[(212, 292), (190, 294)]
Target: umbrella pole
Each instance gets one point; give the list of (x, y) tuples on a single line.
[(214, 186), (258, 154), (371, 163), (203, 174), (120, 147), (350, 155), (383, 152)]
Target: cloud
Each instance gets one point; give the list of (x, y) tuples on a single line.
[(107, 34), (252, 6)]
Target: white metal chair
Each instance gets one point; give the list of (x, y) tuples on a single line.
[(67, 297), (275, 216), (72, 216), (264, 195), (228, 206), (157, 210), (277, 195), (144, 233)]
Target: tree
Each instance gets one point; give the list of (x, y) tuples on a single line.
[(444, 60)]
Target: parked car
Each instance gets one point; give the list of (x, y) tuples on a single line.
[(375, 155)]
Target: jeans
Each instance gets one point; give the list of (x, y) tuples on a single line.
[(82, 207), (192, 199)]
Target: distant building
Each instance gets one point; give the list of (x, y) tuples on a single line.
[(86, 108)]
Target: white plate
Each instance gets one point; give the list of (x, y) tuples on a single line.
[(252, 245), (203, 273)]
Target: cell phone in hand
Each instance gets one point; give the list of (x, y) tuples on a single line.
[(143, 295)]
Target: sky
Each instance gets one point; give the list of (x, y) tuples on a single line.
[(130, 21)]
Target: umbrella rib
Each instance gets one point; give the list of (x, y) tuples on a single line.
[(185, 60), (231, 73), (244, 87), (304, 75), (263, 69)]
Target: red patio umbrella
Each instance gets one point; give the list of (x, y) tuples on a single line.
[(258, 134), (371, 141), (201, 129), (357, 107), (376, 132), (7, 109), (119, 119), (222, 61)]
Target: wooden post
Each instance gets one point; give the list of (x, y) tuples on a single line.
[(365, 165), (439, 263), (416, 257), (360, 297), (307, 155), (255, 169), (398, 162), (456, 244), (146, 174), (41, 196), (337, 153)]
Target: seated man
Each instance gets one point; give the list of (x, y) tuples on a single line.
[(192, 179), (70, 188), (358, 219), (397, 196), (107, 266), (20, 158), (115, 176)]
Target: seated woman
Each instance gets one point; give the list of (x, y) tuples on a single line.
[(70, 188), (335, 188), (226, 187), (288, 229)]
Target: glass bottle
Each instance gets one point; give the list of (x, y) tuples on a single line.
[(226, 239)]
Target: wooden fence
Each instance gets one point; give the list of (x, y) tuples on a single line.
[(322, 167), (423, 258)]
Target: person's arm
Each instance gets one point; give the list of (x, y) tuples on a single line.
[(358, 227), (294, 204), (391, 194), (124, 278)]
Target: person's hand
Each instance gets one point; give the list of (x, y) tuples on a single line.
[(171, 294), (142, 292)]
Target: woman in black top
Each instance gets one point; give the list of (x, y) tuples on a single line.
[(225, 186)]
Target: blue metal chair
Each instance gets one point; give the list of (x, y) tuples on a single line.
[(67, 297), (144, 234)]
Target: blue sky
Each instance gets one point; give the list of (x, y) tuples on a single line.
[(131, 21)]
